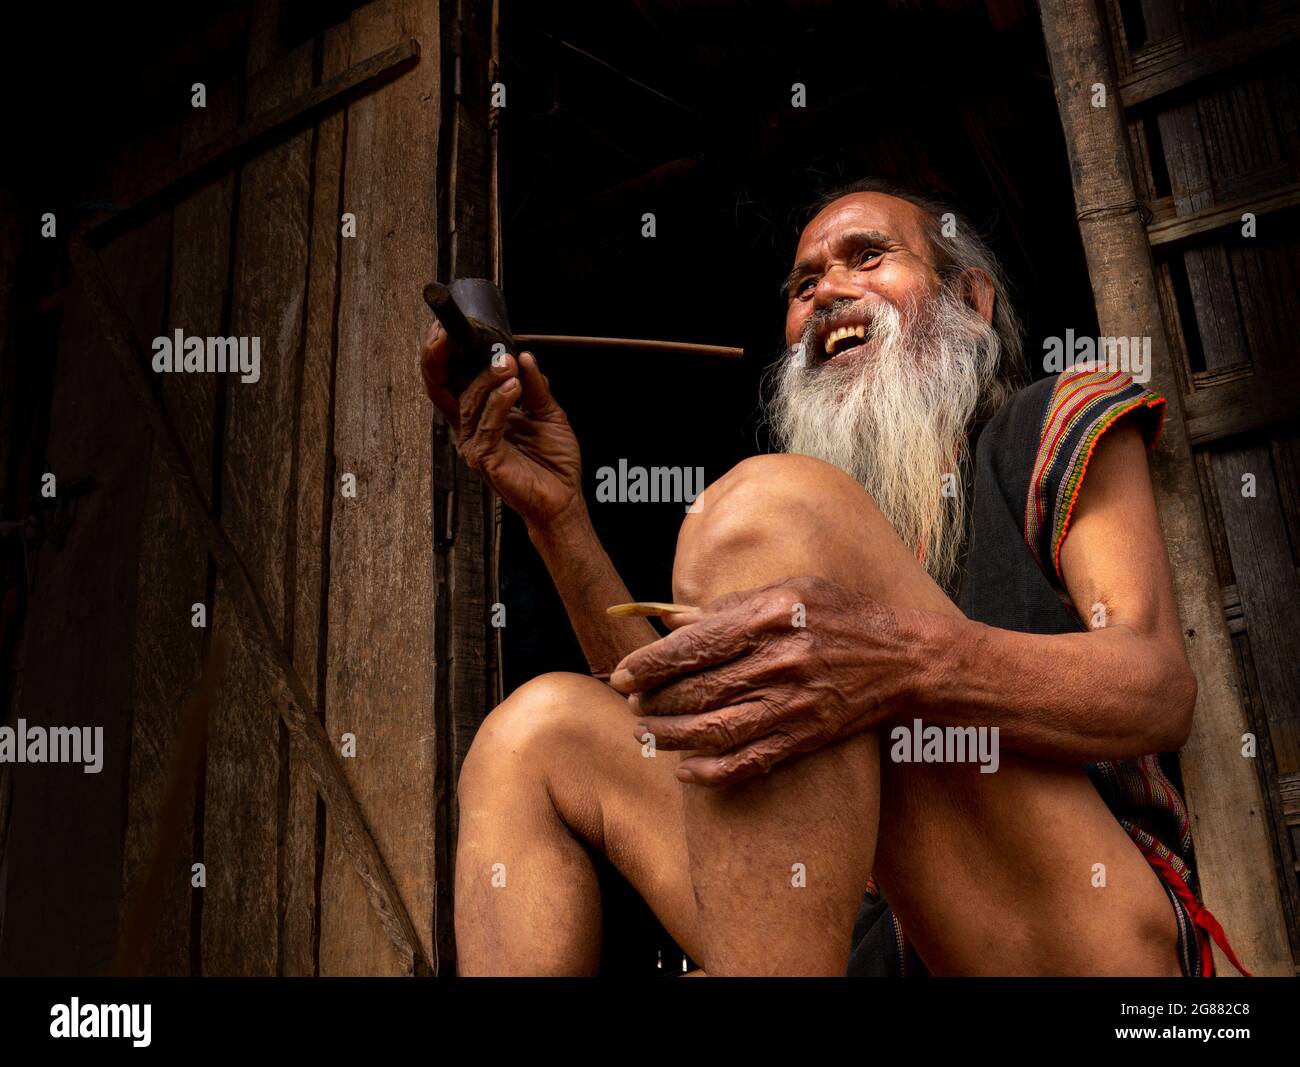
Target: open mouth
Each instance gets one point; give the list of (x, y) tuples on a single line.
[(841, 339), (842, 343)]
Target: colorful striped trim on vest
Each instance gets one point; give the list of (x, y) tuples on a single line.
[(1082, 407)]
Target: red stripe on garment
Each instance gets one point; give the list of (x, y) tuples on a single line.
[(1059, 400), (1205, 922)]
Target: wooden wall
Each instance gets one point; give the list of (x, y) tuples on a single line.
[(1212, 104), (99, 866)]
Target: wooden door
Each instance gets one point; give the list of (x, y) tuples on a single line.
[(251, 602)]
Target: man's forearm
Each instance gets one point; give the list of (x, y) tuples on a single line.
[(588, 584), (1070, 698)]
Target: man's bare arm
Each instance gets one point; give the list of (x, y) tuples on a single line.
[(514, 435), (1124, 688), (588, 583)]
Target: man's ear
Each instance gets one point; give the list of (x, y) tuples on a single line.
[(977, 291)]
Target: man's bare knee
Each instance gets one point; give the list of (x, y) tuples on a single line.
[(772, 504), (772, 484), (540, 721)]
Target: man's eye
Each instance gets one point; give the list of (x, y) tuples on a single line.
[(805, 287), (869, 255)]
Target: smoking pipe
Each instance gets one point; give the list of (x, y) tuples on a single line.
[(473, 312)]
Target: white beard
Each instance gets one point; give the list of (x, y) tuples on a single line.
[(896, 417)]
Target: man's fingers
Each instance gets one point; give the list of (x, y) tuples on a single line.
[(714, 731), (713, 687), (675, 620), (727, 627), (444, 402), (476, 393), (536, 397), (748, 761), (433, 369), (433, 358), (728, 602), (714, 639), (492, 426)]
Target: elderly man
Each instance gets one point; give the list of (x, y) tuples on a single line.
[(743, 772)]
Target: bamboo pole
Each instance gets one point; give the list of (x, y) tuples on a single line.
[(1234, 856)]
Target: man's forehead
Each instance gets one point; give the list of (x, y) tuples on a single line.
[(857, 212)]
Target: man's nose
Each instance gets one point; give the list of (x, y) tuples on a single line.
[(836, 284)]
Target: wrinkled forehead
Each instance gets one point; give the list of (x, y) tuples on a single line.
[(897, 219)]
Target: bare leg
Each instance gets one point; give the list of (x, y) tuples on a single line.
[(986, 875), (776, 867), (989, 873), (778, 863), (553, 771)]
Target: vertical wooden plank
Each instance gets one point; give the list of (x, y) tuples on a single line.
[(1269, 590), (1233, 846), (173, 576), (469, 258), (314, 501), (379, 677), (462, 661), (248, 788), (61, 909), (10, 240)]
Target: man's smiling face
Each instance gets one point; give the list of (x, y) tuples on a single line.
[(888, 359), (865, 248)]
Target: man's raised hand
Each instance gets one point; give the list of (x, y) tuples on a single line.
[(761, 675), (529, 454)]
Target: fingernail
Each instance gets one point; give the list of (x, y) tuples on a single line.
[(684, 775), (642, 729), (621, 679)]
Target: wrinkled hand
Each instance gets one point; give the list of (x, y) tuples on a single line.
[(743, 685), (528, 454)]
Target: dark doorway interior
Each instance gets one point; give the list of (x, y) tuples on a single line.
[(685, 111)]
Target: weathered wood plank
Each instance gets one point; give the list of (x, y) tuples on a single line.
[(247, 775), (1267, 586), (62, 903), (313, 503), (1233, 848), (1289, 787), (1239, 406), (379, 679), (173, 576), (264, 130), (1268, 782), (461, 693), (298, 711), (1226, 133), (1220, 216), (11, 239), (1182, 69)]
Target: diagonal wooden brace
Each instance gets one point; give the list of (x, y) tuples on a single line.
[(300, 714), (258, 134)]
